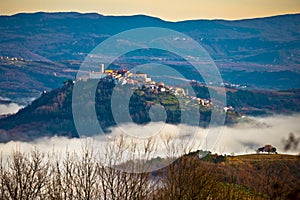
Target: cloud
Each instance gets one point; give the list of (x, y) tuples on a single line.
[(247, 136), (244, 137), (10, 108)]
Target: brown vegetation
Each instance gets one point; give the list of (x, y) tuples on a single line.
[(40, 176)]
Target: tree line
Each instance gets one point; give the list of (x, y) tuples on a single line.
[(85, 175)]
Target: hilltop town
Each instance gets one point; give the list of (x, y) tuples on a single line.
[(52, 113), (142, 80)]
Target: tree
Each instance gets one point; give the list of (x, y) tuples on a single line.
[(25, 178)]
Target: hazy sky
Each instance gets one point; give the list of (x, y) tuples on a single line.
[(173, 10)]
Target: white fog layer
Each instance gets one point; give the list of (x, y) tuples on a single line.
[(246, 137), (242, 138), (10, 108)]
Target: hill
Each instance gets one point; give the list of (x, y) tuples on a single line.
[(85, 176), (258, 176), (51, 114), (63, 36), (262, 157), (38, 50)]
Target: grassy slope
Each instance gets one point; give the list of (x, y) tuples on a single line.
[(262, 157)]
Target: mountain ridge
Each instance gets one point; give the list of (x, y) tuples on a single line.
[(53, 45), (63, 35), (145, 15)]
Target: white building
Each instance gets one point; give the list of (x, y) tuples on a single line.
[(141, 77), (96, 75)]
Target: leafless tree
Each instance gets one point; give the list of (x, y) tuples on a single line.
[(122, 174), (25, 177)]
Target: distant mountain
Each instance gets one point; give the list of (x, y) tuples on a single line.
[(261, 53), (63, 36)]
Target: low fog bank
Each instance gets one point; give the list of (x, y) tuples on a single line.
[(256, 132), (10, 108), (245, 137)]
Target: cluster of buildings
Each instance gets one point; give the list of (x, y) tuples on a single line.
[(228, 108), (121, 76), (11, 59), (202, 102), (232, 85), (143, 81), (136, 79)]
